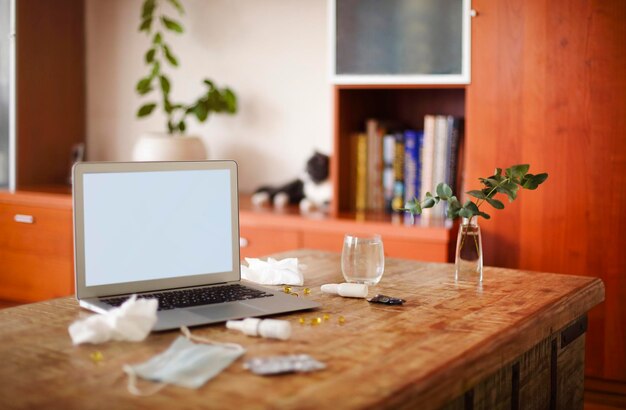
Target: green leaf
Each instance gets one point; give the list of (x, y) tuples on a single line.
[(145, 25), (518, 171), (143, 86), (531, 181), (167, 105), (231, 101), (477, 194), (471, 206), (511, 194), (429, 202), (150, 56), (165, 84), (484, 215), (209, 83), (172, 25), (495, 203), (201, 110), (182, 126), (498, 172), (157, 39), (169, 56), (454, 206), (145, 110), (444, 191), (465, 213), (147, 9), (170, 127), (177, 5), (156, 69)]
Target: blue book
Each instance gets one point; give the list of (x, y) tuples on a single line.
[(413, 141)]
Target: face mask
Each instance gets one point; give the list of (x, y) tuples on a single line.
[(184, 363)]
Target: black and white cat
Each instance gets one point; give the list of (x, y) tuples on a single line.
[(311, 191)]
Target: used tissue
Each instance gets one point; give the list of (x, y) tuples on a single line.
[(132, 321), (273, 272)]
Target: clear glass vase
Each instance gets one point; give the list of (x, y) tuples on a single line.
[(469, 252)]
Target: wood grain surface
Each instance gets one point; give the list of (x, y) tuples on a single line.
[(447, 337), (549, 88)]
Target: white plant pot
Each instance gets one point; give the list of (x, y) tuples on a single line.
[(164, 147)]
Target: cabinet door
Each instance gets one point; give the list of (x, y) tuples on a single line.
[(400, 41), (36, 253), (257, 241)]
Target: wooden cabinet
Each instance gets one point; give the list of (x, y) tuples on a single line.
[(36, 246), (548, 88)]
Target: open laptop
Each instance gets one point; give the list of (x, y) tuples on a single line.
[(168, 230)]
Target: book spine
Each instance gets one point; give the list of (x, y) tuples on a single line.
[(361, 173), (411, 165), (428, 151), (375, 196), (389, 152), (452, 156), (398, 172)]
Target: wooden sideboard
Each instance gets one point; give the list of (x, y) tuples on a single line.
[(36, 245)]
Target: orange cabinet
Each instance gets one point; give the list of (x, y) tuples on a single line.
[(36, 249)]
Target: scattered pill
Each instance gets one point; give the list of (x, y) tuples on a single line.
[(307, 291), (326, 316), (287, 289), (97, 356), (301, 321), (341, 320)]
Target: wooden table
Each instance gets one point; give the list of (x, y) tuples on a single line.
[(517, 340)]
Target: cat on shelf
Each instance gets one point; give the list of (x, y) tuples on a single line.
[(312, 190)]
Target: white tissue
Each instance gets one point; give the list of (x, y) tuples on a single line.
[(132, 321), (273, 272)]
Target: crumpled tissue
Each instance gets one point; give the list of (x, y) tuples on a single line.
[(273, 272), (132, 321)]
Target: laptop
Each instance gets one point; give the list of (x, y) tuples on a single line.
[(168, 230)]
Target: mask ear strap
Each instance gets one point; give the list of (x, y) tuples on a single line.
[(185, 330), (132, 384)]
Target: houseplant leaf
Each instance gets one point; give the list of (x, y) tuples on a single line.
[(145, 109), (172, 25)]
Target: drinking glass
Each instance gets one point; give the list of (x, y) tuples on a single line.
[(362, 259)]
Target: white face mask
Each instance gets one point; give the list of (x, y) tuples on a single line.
[(184, 363)]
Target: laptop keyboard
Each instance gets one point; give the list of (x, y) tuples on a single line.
[(196, 296)]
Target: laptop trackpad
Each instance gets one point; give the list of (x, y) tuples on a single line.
[(227, 311)]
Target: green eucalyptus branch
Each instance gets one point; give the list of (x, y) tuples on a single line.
[(158, 56), (508, 184)]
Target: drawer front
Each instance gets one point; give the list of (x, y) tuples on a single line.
[(36, 253), (257, 242)]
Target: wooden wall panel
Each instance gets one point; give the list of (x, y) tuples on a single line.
[(549, 88), (50, 87)]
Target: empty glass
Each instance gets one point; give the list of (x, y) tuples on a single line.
[(362, 259)]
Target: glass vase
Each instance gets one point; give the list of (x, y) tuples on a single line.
[(469, 252)]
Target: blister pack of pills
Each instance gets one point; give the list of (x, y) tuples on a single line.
[(267, 366)]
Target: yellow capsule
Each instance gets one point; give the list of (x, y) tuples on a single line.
[(301, 320), (294, 294), (326, 316), (96, 356), (313, 322), (307, 291), (341, 320), (287, 289), (318, 320)]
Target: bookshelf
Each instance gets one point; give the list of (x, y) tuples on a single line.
[(403, 104)]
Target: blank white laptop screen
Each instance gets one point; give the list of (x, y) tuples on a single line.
[(156, 225)]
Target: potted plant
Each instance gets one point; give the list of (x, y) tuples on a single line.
[(173, 144), (469, 256)]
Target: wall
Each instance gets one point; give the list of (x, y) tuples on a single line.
[(272, 53)]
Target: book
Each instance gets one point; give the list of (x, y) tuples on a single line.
[(454, 129), (375, 197), (389, 153), (412, 164), (427, 154), (361, 183), (398, 172)]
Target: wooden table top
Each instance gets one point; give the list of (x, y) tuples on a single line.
[(445, 338)]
